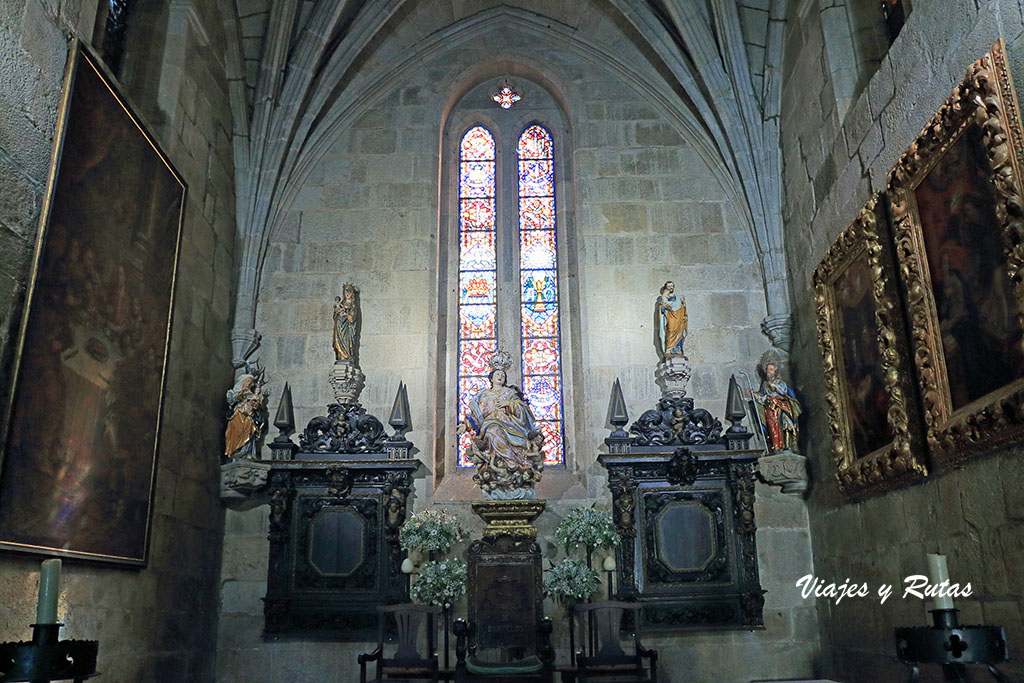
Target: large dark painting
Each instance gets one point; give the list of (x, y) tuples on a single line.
[(956, 197), (873, 415), (861, 361), (79, 461), (979, 330)]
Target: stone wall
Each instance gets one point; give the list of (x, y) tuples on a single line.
[(157, 624), (832, 165), (649, 206)]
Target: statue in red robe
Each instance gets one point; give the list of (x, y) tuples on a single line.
[(777, 406)]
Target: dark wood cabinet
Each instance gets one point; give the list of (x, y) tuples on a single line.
[(334, 553), (686, 521)]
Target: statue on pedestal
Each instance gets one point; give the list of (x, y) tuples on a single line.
[(673, 324), (346, 377), (346, 324), (777, 406), (507, 448)]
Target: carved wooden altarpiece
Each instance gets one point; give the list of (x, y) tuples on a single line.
[(686, 519), (334, 552)]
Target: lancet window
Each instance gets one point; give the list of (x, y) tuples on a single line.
[(531, 298)]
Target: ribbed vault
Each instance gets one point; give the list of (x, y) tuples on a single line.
[(711, 66)]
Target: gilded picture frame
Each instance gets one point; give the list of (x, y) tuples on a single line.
[(957, 210), (82, 423), (872, 411)]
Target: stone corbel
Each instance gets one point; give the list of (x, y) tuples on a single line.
[(786, 469), (243, 484), (779, 329)]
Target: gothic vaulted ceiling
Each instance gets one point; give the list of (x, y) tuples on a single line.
[(302, 70)]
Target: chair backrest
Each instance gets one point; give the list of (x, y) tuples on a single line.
[(600, 624), (408, 619)]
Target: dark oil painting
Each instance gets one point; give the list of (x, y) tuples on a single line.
[(868, 400), (981, 336), (80, 458)]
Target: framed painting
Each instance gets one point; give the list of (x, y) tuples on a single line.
[(83, 420), (957, 209), (872, 411)]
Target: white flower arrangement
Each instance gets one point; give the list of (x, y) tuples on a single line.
[(430, 531), (440, 583), (571, 582), (587, 527)]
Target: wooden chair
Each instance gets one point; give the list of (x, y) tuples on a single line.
[(533, 663), (406, 663), (601, 658)]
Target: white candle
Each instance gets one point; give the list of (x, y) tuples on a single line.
[(49, 591), (937, 573)]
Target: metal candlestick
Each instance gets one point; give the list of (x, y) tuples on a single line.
[(47, 658), (952, 646)]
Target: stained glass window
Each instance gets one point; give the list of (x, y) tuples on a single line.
[(538, 275), (483, 227), (477, 270)]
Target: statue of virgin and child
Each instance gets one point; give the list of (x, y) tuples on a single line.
[(507, 444)]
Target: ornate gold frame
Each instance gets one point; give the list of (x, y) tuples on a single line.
[(900, 461), (984, 98)]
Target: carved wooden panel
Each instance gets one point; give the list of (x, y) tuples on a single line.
[(505, 594), (334, 553), (688, 552)]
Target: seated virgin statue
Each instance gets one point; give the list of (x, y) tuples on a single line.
[(507, 444)]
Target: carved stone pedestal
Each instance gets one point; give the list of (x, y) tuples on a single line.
[(348, 382), (243, 483), (786, 469), (673, 374)]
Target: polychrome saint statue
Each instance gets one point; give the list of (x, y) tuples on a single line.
[(673, 323), (247, 418), (507, 444), (777, 406), (346, 324)]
